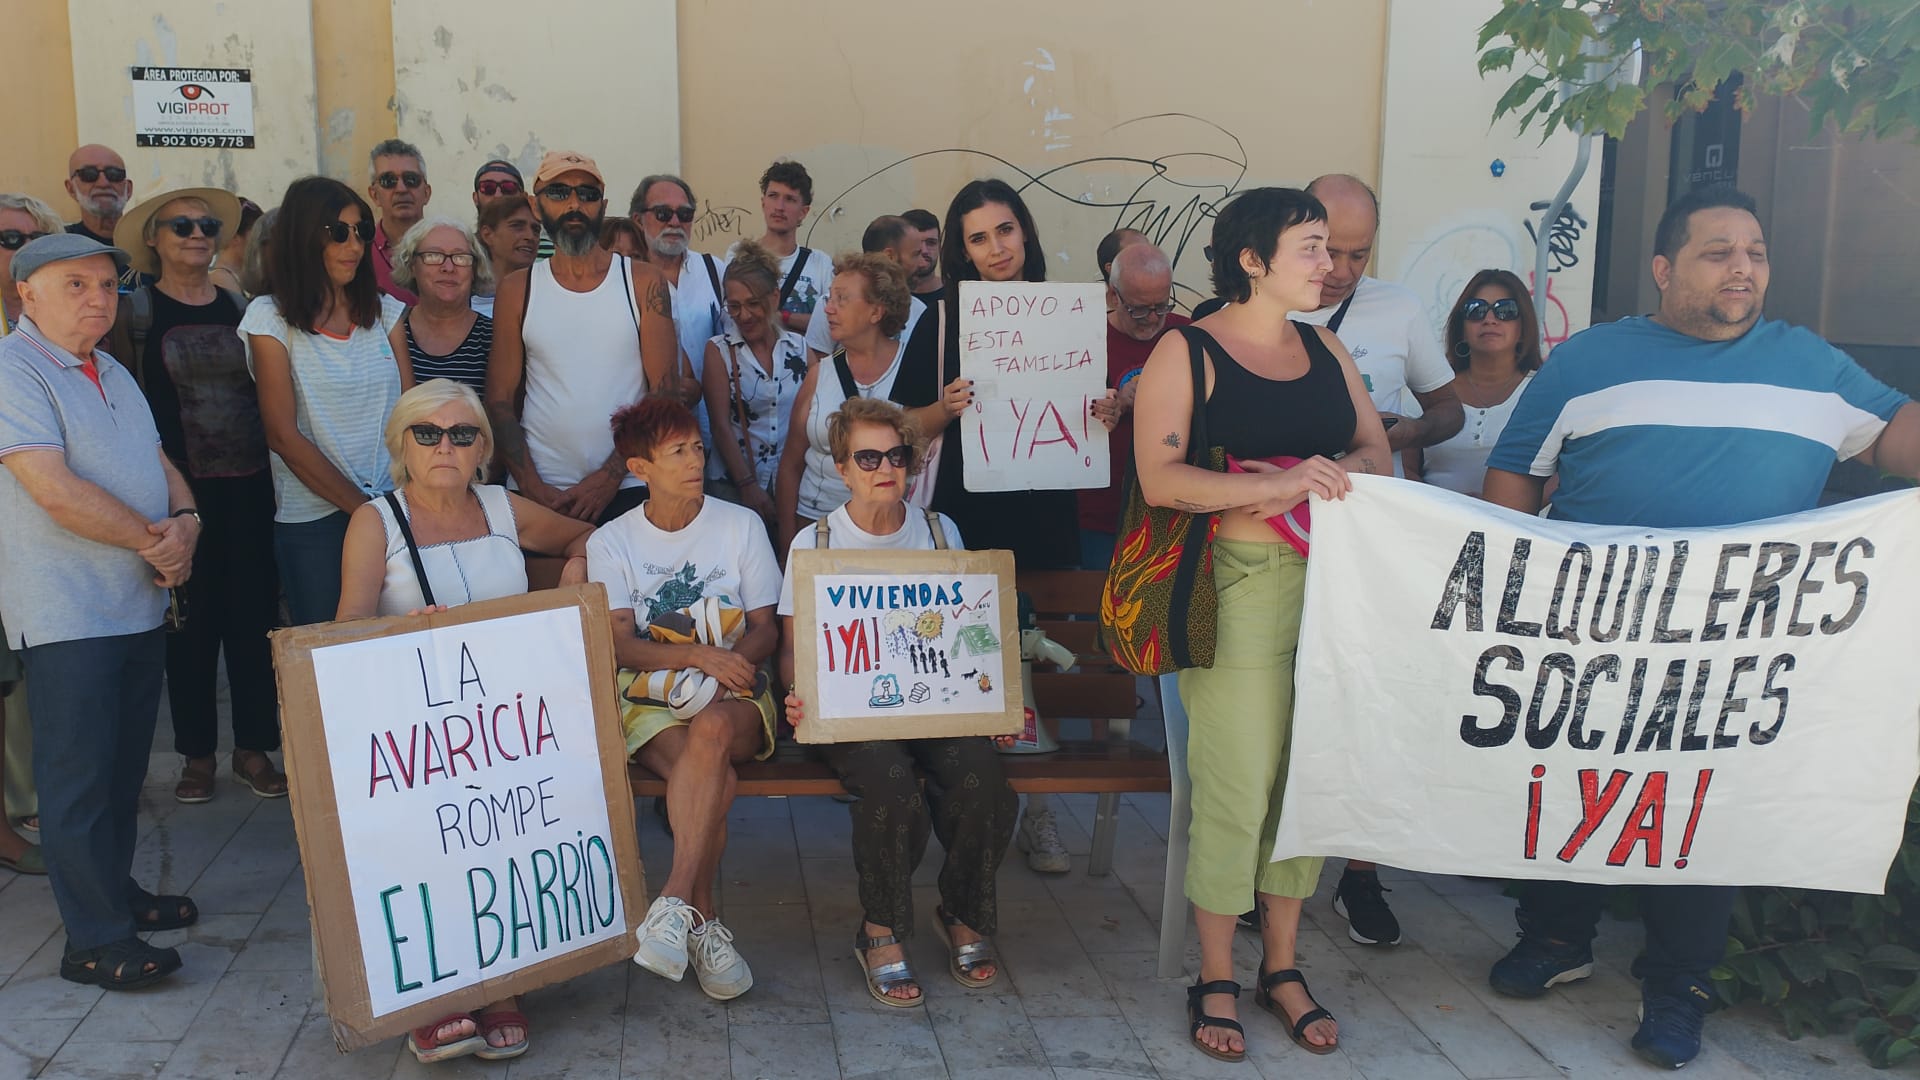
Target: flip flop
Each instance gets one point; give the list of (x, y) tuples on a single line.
[(421, 1044), (490, 1022)]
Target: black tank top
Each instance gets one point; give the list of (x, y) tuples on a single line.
[(1250, 416)]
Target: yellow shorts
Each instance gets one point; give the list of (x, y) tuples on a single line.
[(643, 722)]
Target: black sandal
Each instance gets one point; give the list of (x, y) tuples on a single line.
[(121, 965), (152, 913), (1296, 1029), (1197, 1018)]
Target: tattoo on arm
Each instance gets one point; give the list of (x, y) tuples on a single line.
[(657, 299), (508, 436), (1172, 439), (615, 466), (1367, 465), (1201, 508)]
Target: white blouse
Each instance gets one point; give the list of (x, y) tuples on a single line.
[(484, 567)]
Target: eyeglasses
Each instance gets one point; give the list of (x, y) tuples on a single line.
[(899, 457), (737, 308), (664, 214), (393, 180), (435, 258), (1505, 310), (491, 188), (1144, 311), (429, 434), (338, 231), (14, 239), (183, 226), (588, 193), (90, 173)]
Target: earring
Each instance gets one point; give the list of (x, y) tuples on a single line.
[(1255, 282), (1461, 350)]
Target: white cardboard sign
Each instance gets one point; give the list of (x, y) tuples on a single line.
[(1037, 355), (205, 108)]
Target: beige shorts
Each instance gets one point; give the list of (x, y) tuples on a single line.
[(643, 722)]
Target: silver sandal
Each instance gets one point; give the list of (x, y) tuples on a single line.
[(887, 976), (966, 957)]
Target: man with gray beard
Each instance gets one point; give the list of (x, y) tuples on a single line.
[(97, 179), (575, 338), (663, 208)]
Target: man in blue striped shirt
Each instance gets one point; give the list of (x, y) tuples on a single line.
[(1702, 414)]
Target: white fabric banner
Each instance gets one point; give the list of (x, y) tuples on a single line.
[(1482, 692)]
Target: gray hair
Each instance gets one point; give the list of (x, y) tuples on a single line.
[(403, 274), (638, 202), (423, 401), (1138, 259), (44, 218), (394, 148), (253, 267)]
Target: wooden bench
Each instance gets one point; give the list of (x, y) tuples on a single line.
[(1107, 765)]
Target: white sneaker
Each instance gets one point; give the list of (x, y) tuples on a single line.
[(663, 937), (722, 971), (1040, 839)]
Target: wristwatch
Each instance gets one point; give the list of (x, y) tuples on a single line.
[(188, 511)]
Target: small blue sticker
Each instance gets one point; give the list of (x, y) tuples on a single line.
[(1498, 168)]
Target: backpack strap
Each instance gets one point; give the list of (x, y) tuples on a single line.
[(793, 275), (933, 526), (413, 549), (713, 275), (822, 533), (845, 372)]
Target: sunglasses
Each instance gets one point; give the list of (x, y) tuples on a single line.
[(497, 187), (183, 226), (1142, 311), (393, 180), (14, 239), (90, 173), (435, 258), (664, 214), (338, 231), (588, 193), (429, 434), (1505, 310), (899, 457)]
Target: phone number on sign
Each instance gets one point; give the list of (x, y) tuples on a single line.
[(225, 142)]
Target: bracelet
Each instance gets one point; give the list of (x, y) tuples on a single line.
[(1128, 377)]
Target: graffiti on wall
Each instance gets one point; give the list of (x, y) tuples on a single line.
[(1439, 267)]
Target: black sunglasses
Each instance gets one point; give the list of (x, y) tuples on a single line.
[(1505, 310), (497, 187), (183, 226), (14, 239), (338, 231), (90, 173), (899, 457), (393, 180), (429, 434), (1142, 311), (664, 214), (588, 193)]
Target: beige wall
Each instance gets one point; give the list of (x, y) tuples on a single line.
[(1143, 113), (353, 80), (39, 71)]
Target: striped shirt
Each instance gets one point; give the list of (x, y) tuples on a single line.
[(1648, 426), (467, 363)]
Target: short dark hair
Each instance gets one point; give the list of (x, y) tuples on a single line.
[(615, 227), (641, 428), (1110, 245), (791, 173), (639, 200), (1253, 221), (921, 219), (301, 287), (884, 232), (1671, 234)]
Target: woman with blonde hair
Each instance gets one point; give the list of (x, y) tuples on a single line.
[(468, 538)]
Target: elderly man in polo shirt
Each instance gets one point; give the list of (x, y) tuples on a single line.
[(99, 525)]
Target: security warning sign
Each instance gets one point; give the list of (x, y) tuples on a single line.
[(193, 107)]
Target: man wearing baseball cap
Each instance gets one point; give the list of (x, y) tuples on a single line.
[(99, 526), (500, 179), (575, 337)]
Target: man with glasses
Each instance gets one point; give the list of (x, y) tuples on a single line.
[(500, 179), (97, 179), (575, 338), (400, 192), (663, 208)]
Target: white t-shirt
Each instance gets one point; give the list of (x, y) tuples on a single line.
[(810, 290), (699, 313), (343, 390), (913, 535), (821, 341), (1460, 463), (1392, 343), (723, 552)]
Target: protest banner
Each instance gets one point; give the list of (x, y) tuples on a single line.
[(460, 797), (1482, 692), (905, 644), (1037, 355)]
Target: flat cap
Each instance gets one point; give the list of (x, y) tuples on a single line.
[(60, 247)]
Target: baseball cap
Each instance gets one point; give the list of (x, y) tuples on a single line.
[(563, 161), (499, 165), (60, 247)]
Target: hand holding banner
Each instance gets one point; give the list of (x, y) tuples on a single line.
[(1037, 355)]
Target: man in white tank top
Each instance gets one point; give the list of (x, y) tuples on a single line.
[(575, 338)]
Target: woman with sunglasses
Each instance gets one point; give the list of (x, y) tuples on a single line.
[(469, 537), (1493, 342), (752, 377), (327, 376), (876, 449), (442, 262), (178, 336), (23, 219)]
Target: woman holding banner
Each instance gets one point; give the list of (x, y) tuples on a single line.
[(1269, 388), (465, 537), (876, 450)]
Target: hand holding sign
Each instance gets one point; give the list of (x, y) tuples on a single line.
[(1036, 354)]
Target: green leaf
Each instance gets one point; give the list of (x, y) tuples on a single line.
[(1900, 1050), (1773, 985), (1499, 59), (1520, 92), (1895, 957), (1804, 961), (1870, 1028)]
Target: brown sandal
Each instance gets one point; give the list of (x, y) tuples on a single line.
[(255, 769), (196, 780)]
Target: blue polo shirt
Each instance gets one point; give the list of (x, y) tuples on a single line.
[(54, 585), (1647, 426)]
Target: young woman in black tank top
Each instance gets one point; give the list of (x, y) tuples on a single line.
[(1271, 389)]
